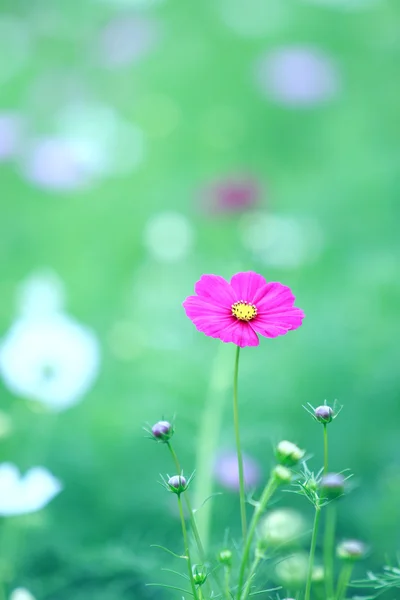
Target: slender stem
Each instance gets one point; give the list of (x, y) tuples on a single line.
[(325, 449), (253, 569), (208, 437), (344, 579), (260, 508), (189, 507), (200, 593), (242, 491), (187, 551), (227, 576), (329, 543), (312, 553)]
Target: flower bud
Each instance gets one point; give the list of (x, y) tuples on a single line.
[(225, 557), (324, 414), (351, 550), (162, 431), (199, 573), (332, 485), (288, 454), (177, 484), (282, 475)]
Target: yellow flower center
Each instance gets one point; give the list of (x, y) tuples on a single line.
[(244, 311)]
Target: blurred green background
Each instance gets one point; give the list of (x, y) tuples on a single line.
[(144, 143)]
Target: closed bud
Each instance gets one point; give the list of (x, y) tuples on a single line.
[(351, 550), (282, 475), (288, 454), (199, 573), (225, 557), (162, 431), (177, 484), (324, 414), (332, 486)]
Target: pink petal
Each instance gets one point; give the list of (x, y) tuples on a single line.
[(247, 285), (196, 306), (272, 296), (215, 289), (240, 333), (274, 324)]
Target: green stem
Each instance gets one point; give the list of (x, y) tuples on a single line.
[(227, 575), (242, 492), (253, 569), (189, 507), (208, 437), (329, 544), (312, 553), (325, 449), (344, 579), (260, 508), (187, 551)]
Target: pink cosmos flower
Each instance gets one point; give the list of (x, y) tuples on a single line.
[(239, 310)]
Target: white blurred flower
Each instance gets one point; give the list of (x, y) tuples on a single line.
[(41, 293), (168, 236), (21, 594), (280, 240), (281, 527), (26, 494), (51, 359)]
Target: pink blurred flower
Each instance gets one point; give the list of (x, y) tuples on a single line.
[(298, 76), (238, 311), (227, 474), (231, 195)]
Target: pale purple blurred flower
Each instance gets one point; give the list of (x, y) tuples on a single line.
[(231, 195), (126, 40), (298, 76), (227, 474), (10, 133), (54, 163)]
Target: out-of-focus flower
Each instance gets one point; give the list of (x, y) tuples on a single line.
[(281, 527), (297, 76), (15, 46), (226, 471), (21, 594), (231, 195), (237, 311), (55, 163), (168, 236), (125, 40), (91, 142), (41, 293), (332, 485), (10, 134), (282, 241), (26, 494), (52, 359), (291, 571), (253, 18)]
